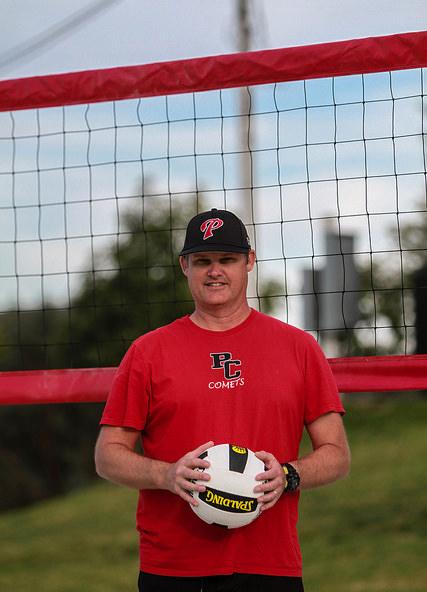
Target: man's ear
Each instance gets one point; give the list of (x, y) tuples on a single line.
[(183, 261), (251, 260)]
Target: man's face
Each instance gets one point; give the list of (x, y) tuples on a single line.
[(218, 279)]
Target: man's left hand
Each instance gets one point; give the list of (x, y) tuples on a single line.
[(274, 481)]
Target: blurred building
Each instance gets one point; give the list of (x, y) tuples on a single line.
[(331, 290)]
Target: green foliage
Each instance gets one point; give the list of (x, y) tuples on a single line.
[(47, 450), (144, 290), (136, 285), (386, 302)]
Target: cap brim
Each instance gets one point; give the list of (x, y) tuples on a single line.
[(218, 248)]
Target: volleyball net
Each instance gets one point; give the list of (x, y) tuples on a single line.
[(321, 150)]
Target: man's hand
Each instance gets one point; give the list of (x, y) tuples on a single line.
[(275, 481), (180, 475)]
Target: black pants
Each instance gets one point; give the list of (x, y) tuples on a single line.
[(233, 583)]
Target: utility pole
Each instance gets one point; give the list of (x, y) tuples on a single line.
[(244, 25), (244, 44)]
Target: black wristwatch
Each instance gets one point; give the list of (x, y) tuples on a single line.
[(292, 478)]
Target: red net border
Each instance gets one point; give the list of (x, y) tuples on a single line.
[(341, 58), (91, 385)]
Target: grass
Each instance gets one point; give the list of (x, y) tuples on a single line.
[(365, 534), (369, 532)]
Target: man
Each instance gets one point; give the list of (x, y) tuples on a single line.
[(224, 374)]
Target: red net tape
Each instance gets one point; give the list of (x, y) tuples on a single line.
[(91, 385), (373, 54)]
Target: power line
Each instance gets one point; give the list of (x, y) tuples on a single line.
[(29, 49)]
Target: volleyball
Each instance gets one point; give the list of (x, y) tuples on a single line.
[(229, 499)]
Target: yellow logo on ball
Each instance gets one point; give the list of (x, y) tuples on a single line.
[(239, 449), (228, 502)]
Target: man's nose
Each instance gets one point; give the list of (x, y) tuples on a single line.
[(214, 268)]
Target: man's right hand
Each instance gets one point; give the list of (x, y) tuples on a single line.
[(180, 476)]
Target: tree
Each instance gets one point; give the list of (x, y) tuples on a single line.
[(48, 449), (45, 450), (387, 301)]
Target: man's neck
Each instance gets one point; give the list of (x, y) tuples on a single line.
[(220, 320)]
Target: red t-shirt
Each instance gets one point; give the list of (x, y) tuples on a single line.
[(256, 386)]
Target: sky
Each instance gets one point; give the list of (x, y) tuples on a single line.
[(46, 37), (51, 36)]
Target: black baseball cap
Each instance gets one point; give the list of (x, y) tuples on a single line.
[(216, 230)]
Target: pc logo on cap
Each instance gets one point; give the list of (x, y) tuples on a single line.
[(216, 230)]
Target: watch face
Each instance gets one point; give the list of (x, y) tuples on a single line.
[(293, 483), (292, 478)]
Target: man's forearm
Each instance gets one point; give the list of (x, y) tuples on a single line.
[(326, 464), (117, 463)]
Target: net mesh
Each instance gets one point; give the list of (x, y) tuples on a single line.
[(328, 174)]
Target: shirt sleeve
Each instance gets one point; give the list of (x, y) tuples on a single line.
[(321, 392), (128, 401)]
